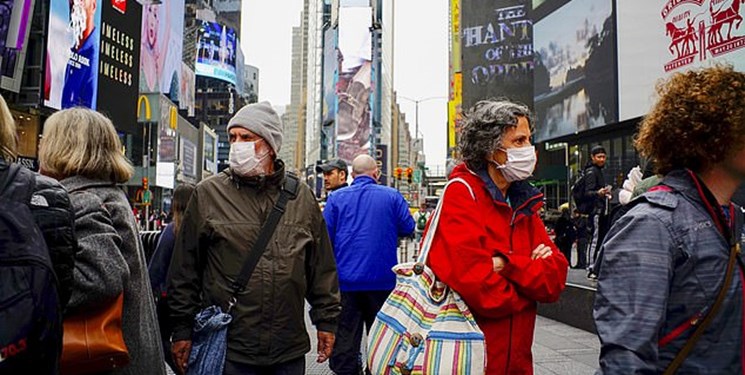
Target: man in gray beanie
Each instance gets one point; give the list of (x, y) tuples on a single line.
[(222, 222)]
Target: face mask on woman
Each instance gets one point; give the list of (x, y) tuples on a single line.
[(244, 161), (520, 163)]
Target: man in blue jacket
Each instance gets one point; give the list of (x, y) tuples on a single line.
[(364, 222)]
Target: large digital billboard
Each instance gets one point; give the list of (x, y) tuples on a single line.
[(497, 48), (353, 88), (73, 43), (162, 47), (118, 71), (575, 75), (677, 36), (216, 52), (15, 16)]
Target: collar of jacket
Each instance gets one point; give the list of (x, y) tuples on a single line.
[(75, 183), (519, 192), (364, 180), (271, 181), (339, 187), (686, 182)]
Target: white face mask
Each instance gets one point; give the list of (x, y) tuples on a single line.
[(520, 163), (244, 161)]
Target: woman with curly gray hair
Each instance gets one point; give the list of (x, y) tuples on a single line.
[(491, 246)]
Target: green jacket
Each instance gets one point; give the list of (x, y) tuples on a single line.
[(221, 223)]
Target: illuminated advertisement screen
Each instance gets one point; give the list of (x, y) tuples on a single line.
[(678, 36), (497, 48), (73, 43), (15, 16), (353, 88), (216, 52), (575, 77), (118, 71), (161, 48)]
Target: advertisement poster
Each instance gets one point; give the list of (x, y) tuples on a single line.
[(118, 71), (72, 54), (210, 152), (353, 88), (15, 16), (162, 47), (497, 47), (188, 158), (216, 55), (187, 90), (575, 75), (330, 55), (678, 36)]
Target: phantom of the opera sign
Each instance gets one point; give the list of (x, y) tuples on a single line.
[(497, 47)]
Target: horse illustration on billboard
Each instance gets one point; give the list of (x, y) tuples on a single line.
[(704, 31)]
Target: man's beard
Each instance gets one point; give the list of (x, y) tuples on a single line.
[(78, 22)]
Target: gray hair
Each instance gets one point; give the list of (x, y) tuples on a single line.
[(484, 126)]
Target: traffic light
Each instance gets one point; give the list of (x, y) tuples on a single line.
[(409, 173), (398, 173), (144, 183)]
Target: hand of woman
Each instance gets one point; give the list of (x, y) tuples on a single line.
[(541, 252)]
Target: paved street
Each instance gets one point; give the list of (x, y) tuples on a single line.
[(557, 349)]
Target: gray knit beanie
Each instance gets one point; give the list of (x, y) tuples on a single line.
[(261, 119)]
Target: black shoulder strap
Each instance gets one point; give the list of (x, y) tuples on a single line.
[(289, 192)]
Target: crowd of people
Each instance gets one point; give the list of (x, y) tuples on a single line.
[(254, 245)]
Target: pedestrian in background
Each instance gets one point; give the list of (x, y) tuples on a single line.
[(666, 261), (422, 216), (364, 222), (491, 246), (267, 334), (334, 175), (158, 267), (81, 148), (597, 197), (566, 233)]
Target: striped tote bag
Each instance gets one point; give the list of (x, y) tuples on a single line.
[(425, 327)]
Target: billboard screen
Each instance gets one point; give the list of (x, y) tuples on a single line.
[(328, 112), (575, 76), (73, 43), (216, 55), (353, 89), (187, 90), (118, 73), (678, 36), (16, 22), (497, 48), (162, 47)]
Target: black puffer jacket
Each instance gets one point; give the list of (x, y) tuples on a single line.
[(53, 213)]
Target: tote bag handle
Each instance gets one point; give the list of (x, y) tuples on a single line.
[(429, 237)]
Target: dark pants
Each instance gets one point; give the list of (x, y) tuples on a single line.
[(357, 308), (164, 324), (599, 225), (565, 246), (293, 367)]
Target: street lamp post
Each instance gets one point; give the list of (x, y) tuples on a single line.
[(416, 109)]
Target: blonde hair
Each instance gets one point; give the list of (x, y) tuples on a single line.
[(83, 142), (8, 142)]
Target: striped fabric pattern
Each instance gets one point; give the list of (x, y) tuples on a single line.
[(424, 327)]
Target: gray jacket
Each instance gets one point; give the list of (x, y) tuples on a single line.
[(110, 259), (664, 262)]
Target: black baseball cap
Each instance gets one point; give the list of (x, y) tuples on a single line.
[(331, 165), (597, 149)]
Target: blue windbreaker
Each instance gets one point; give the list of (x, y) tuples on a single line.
[(364, 222)]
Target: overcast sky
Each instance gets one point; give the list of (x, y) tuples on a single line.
[(420, 59)]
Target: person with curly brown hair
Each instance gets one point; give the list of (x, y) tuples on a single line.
[(668, 258)]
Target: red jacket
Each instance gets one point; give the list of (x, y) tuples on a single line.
[(469, 234)]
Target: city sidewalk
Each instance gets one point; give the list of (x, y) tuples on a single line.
[(557, 349)]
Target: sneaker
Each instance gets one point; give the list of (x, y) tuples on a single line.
[(592, 275)]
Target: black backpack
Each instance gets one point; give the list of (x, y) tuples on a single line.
[(584, 205), (30, 318)]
